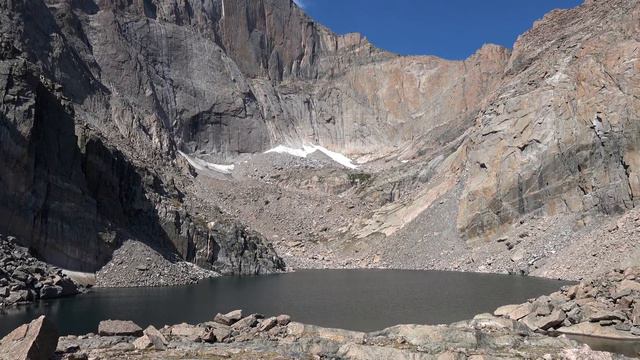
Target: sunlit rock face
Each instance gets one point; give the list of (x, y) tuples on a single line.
[(561, 132)]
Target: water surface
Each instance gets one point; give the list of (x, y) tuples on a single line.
[(363, 300)]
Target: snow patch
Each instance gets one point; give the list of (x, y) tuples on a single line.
[(307, 150), (204, 166)]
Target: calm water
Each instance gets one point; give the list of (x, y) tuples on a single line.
[(626, 347), (351, 299)]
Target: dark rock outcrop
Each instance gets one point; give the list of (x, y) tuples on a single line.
[(25, 279)]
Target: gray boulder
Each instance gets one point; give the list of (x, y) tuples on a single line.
[(50, 291)]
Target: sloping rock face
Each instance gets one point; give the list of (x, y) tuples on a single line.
[(560, 134), (556, 134), (84, 166)]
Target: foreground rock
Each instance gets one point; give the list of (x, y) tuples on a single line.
[(119, 328), (34, 341), (23, 278), (608, 306), (256, 337)]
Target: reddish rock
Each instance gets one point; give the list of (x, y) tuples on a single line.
[(34, 341)]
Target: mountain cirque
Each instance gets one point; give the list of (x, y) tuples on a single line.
[(457, 159)]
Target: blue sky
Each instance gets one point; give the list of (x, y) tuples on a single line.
[(453, 29)]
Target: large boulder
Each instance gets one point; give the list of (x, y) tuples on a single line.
[(119, 328), (34, 341), (50, 291), (191, 332), (228, 318), (152, 338), (246, 322), (221, 333), (67, 285)]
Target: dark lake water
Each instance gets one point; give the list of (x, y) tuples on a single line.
[(363, 300)]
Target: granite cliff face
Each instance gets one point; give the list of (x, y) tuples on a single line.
[(98, 97), (85, 168), (561, 132)]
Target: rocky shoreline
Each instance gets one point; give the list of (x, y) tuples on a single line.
[(607, 306), (235, 336), (25, 279)]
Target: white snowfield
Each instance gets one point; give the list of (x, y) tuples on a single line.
[(307, 150), (204, 166)]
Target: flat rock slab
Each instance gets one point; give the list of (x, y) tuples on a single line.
[(34, 341), (189, 331), (594, 329), (520, 311), (119, 328), (506, 310), (365, 352)]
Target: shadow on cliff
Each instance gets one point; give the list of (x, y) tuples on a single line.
[(68, 196)]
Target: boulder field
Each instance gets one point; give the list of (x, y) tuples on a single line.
[(24, 279)]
